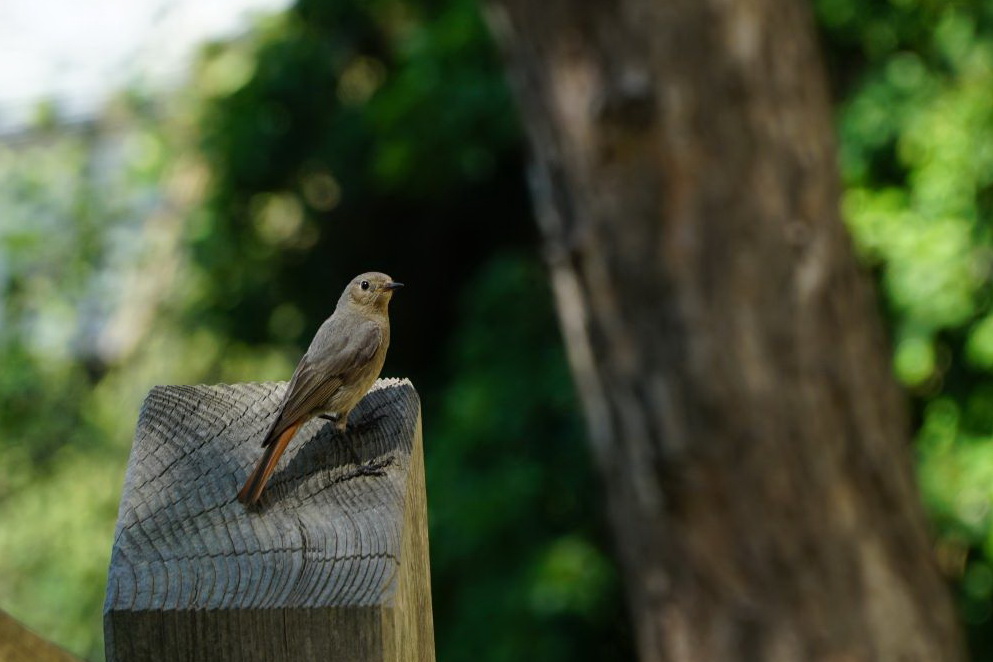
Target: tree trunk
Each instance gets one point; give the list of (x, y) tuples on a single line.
[(752, 441)]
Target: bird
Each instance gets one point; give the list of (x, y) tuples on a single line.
[(342, 363)]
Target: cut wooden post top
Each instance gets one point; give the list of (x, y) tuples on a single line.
[(326, 534)]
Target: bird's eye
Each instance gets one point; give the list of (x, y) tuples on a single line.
[(364, 285)]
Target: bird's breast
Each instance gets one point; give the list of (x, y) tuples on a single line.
[(357, 383)]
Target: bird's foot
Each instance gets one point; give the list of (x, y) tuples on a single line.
[(354, 426), (371, 468), (347, 430)]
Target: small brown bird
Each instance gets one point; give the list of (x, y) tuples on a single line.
[(340, 366)]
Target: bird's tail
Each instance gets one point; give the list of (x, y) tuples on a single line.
[(252, 490)]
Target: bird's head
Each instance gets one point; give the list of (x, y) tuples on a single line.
[(371, 291)]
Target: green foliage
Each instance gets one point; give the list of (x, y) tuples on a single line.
[(205, 239), (60, 474), (365, 131), (89, 268), (916, 143), (395, 142), (514, 530), (337, 138)]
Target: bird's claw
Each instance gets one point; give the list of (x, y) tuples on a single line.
[(352, 427), (371, 468)]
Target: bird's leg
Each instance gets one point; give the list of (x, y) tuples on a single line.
[(341, 426), (341, 423), (371, 468)]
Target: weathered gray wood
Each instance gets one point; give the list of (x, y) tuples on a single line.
[(332, 566)]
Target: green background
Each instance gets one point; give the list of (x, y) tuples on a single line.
[(203, 236)]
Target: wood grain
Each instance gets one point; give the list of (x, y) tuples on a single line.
[(333, 564)]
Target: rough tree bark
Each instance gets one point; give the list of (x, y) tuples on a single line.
[(734, 374)]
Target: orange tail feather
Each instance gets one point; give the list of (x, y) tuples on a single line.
[(256, 482)]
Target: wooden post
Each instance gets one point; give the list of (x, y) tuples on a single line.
[(332, 566)]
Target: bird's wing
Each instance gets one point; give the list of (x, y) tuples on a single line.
[(338, 349)]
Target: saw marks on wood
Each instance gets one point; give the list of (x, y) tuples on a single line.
[(328, 535)]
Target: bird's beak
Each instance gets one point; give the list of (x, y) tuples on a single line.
[(392, 285)]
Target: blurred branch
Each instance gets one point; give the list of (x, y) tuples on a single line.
[(19, 644)]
